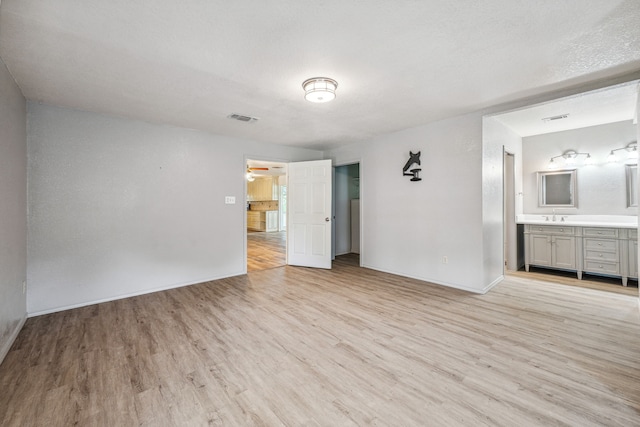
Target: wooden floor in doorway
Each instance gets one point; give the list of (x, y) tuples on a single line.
[(349, 346), (266, 250)]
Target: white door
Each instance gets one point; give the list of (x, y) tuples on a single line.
[(309, 214)]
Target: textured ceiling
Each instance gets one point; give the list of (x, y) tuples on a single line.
[(398, 63), (609, 105)]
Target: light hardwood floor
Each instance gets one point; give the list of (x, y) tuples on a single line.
[(343, 347), (266, 250)]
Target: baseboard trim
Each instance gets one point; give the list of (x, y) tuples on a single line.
[(4, 350), (123, 296), (440, 283), (492, 284)]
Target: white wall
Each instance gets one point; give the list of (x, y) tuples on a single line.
[(13, 209), (120, 207), (409, 226), (602, 186)]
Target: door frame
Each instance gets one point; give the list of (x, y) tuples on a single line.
[(509, 240)]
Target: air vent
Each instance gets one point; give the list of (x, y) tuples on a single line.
[(558, 117), (242, 118)]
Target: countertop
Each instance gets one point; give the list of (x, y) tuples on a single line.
[(617, 221)]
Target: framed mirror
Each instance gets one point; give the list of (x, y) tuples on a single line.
[(632, 185), (558, 189)]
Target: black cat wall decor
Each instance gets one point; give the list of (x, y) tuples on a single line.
[(414, 173)]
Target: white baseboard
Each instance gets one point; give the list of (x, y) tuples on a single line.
[(123, 296), (436, 282), (4, 350), (492, 284)]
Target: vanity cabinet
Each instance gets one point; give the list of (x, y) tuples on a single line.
[(599, 250), (551, 246), (633, 253)]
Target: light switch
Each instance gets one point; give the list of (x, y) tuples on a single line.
[(229, 200)]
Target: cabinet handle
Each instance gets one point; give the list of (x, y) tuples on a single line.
[(599, 244), (599, 232), (562, 229), (600, 267), (600, 255)]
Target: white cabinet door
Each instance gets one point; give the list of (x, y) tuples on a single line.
[(309, 214), (272, 220), (563, 252), (540, 249)]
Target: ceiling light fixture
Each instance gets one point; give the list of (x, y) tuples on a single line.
[(631, 148), (319, 89), (570, 157), (249, 175)]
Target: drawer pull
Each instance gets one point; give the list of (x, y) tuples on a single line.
[(599, 244), (600, 255), (562, 229), (599, 232)]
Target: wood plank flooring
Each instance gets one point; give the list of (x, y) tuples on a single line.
[(266, 250), (343, 347)]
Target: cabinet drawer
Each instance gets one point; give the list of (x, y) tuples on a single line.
[(601, 256), (601, 267), (550, 229), (633, 233), (601, 245), (600, 232)]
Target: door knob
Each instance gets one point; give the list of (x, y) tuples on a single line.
[(327, 219)]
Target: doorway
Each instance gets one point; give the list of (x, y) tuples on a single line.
[(266, 233), (510, 227), (347, 211), (590, 126)]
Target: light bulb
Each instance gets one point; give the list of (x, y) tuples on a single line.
[(612, 157), (570, 160), (589, 160), (633, 154), (552, 164)]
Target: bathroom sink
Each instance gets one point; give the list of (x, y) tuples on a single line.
[(619, 221)]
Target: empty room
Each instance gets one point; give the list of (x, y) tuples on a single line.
[(319, 213)]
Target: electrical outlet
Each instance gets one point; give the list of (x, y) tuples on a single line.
[(445, 260), (230, 200)]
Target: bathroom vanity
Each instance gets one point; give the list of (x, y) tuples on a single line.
[(597, 244)]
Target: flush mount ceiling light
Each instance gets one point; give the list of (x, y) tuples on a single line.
[(319, 89)]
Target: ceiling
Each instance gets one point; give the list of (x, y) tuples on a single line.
[(609, 105), (273, 168), (398, 63)]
